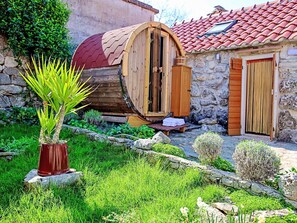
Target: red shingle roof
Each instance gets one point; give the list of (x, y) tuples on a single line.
[(272, 22), (104, 49)]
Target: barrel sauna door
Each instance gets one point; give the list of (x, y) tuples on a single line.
[(259, 100), (157, 95)]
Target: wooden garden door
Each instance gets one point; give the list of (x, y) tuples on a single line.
[(259, 88)]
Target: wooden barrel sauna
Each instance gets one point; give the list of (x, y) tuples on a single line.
[(131, 70)]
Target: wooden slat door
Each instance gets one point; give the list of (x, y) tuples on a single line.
[(235, 83), (259, 96)]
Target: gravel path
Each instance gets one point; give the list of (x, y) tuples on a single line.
[(286, 151)]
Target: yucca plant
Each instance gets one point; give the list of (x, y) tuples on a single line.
[(59, 87)]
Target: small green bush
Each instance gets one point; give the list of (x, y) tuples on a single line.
[(94, 117), (141, 132), (255, 161), (19, 115), (35, 27), (208, 146), (168, 149), (223, 164)]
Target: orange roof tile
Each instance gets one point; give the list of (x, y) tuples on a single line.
[(256, 25)]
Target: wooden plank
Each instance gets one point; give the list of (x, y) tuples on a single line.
[(115, 119), (234, 127), (156, 67), (147, 72)]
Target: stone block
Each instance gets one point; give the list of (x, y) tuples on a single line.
[(32, 179), (17, 101), (208, 121), (160, 137), (288, 102), (145, 144), (287, 86), (226, 208), (10, 62), (11, 71), (11, 89), (4, 101), (287, 135), (288, 184), (209, 214), (4, 79), (286, 121)]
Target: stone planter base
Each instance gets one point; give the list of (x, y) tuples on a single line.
[(32, 179)]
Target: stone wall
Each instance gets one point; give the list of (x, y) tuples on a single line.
[(210, 88), (287, 118), (210, 91), (97, 16), (13, 90)]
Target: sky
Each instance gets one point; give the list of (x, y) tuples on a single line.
[(197, 8)]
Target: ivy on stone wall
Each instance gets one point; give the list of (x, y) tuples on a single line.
[(35, 27)]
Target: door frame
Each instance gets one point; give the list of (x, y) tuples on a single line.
[(275, 89)]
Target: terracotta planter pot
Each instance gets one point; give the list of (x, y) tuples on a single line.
[(53, 159)]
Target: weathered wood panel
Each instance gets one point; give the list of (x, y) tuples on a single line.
[(107, 95)]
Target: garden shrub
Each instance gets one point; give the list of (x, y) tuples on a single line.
[(141, 132), (94, 117), (168, 149), (19, 115), (223, 164), (208, 146), (35, 27), (255, 161)]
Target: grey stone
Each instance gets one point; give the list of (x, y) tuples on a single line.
[(210, 57), (244, 184), (226, 208), (208, 102), (145, 144), (227, 182), (18, 80), (11, 71), (214, 84), (160, 137), (258, 188), (222, 117), (272, 213), (220, 69), (288, 102), (4, 79), (286, 121), (288, 135), (2, 59), (203, 77), (32, 179), (288, 184), (214, 128), (1, 68), (211, 64), (17, 101), (287, 86), (223, 102), (10, 62), (11, 89), (199, 63), (208, 121), (224, 94), (208, 213), (4, 101)]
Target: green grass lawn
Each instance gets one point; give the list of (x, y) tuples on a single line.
[(115, 181)]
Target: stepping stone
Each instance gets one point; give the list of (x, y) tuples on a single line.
[(32, 179)]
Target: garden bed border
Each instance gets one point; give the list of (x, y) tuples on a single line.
[(212, 174)]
